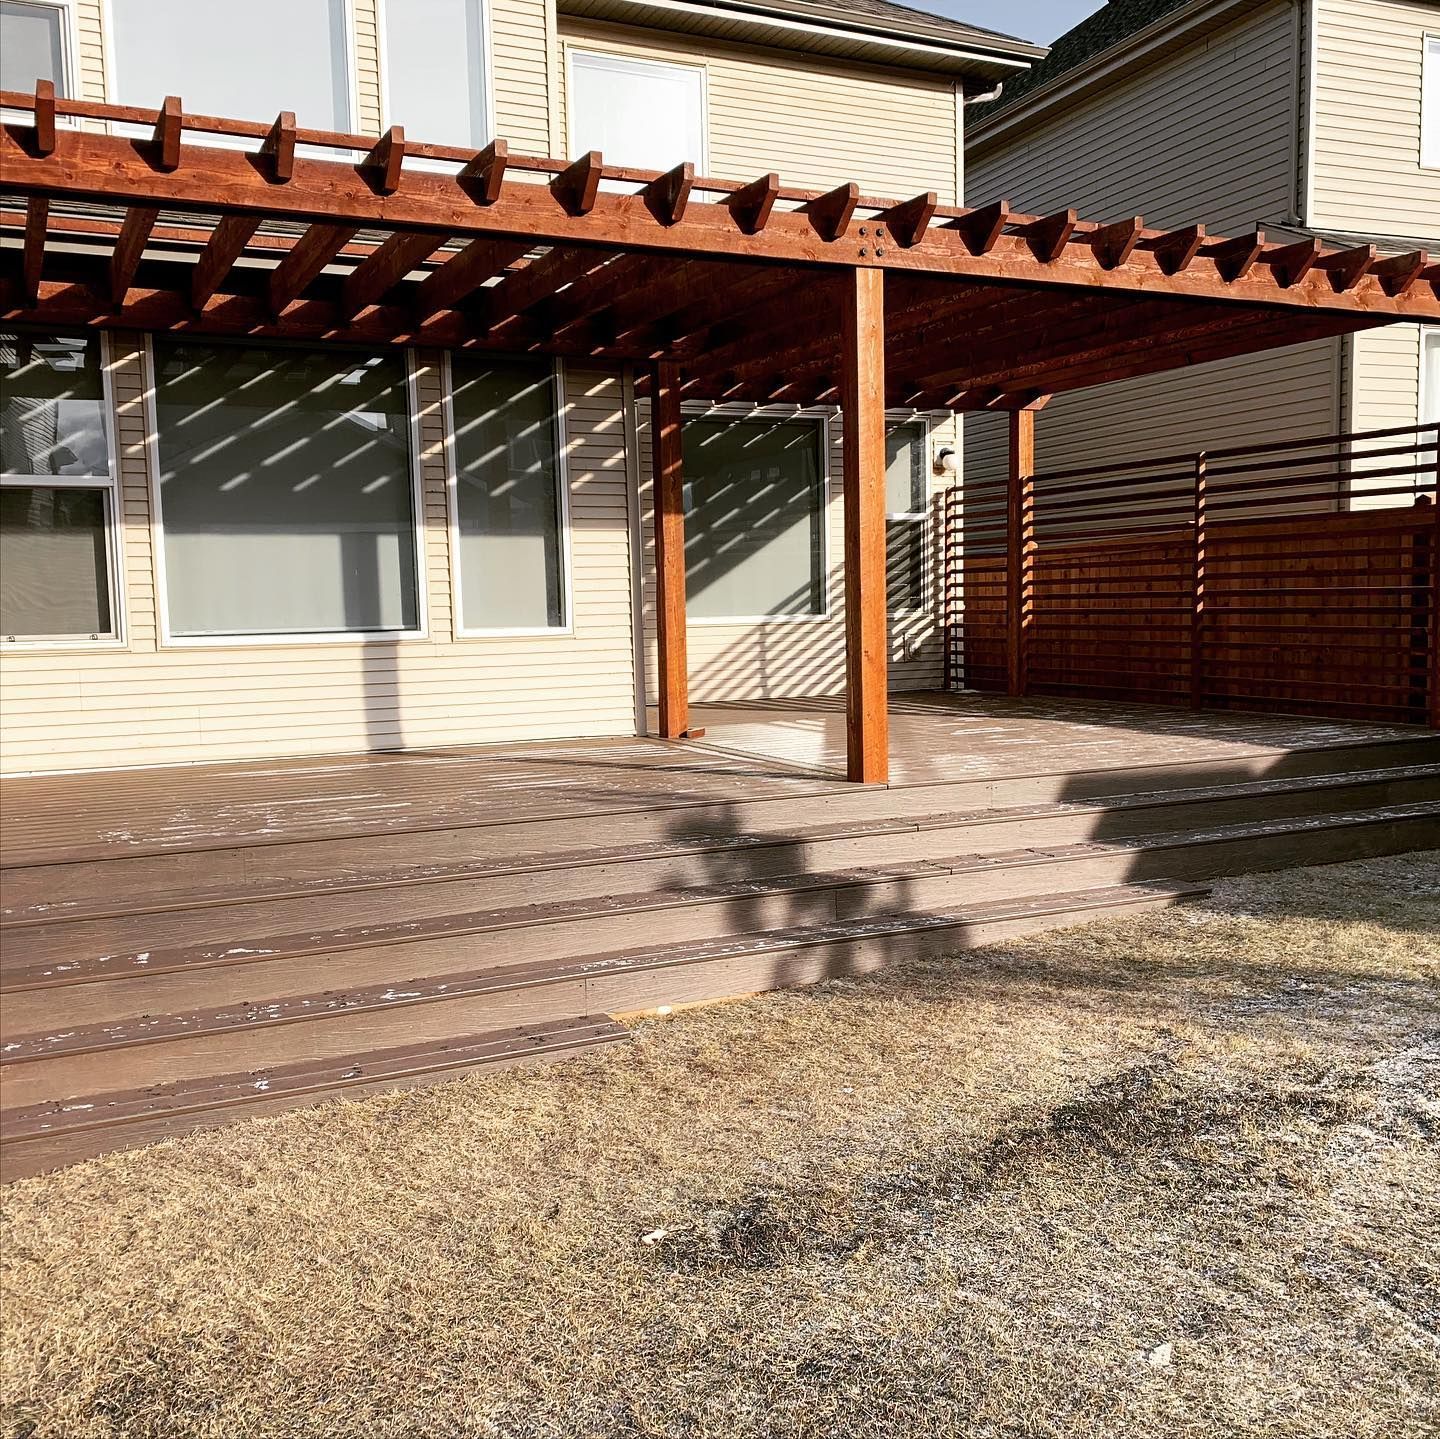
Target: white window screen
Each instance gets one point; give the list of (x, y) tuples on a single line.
[(1430, 104), (286, 493), (754, 518), (636, 112), (435, 70), (905, 506), (507, 494), (32, 46), (56, 489), (247, 62)]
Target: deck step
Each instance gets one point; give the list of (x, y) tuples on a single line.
[(253, 853), (108, 1000), (42, 1136), (114, 921), (627, 980)]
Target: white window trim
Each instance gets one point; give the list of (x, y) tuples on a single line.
[(925, 422), (487, 64), (572, 48), (1429, 345), (352, 97), (114, 524), (1430, 91), (69, 48), (823, 420), (168, 640), (461, 631)]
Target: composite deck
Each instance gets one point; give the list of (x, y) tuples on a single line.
[(186, 945)]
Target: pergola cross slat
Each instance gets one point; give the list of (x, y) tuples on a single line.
[(720, 289)]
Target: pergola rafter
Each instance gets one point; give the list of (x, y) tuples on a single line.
[(718, 289)]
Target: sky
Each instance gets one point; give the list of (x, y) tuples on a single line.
[(1038, 20)]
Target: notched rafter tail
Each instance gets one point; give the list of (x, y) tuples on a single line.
[(1235, 258), (278, 148), (909, 220), (751, 204), (165, 141), (383, 165), (129, 247), (981, 228), (830, 214), (1291, 263), (576, 186), (1175, 250), (1114, 244), (1346, 268), (483, 177), (668, 196), (37, 214), (1049, 235), (1398, 273), (226, 243), (42, 135)]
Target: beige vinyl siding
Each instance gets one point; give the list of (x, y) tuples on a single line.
[(817, 122), (521, 66), (1384, 393), (1206, 134), (365, 28), (83, 708), (90, 61), (805, 656), (1367, 174)]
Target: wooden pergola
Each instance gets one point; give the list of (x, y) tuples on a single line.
[(722, 290)]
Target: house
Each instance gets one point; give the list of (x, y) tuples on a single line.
[(410, 413), (1296, 117), (408, 603)]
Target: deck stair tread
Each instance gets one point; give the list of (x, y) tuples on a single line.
[(331, 1004), (703, 840), (137, 828), (39, 967), (543, 1040)]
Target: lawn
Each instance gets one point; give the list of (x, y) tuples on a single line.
[(1172, 1176)]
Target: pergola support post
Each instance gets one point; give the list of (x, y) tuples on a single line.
[(669, 497), (1019, 549), (862, 415)]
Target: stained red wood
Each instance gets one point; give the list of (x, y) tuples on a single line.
[(862, 418), (278, 147), (1175, 250), (43, 134), (577, 188), (463, 274), (831, 213), (315, 249), (134, 234), (1020, 546), (483, 176), (383, 269), (166, 139), (383, 164), (981, 229), (1198, 562), (222, 249), (751, 204), (667, 197), (37, 213), (669, 499), (908, 222)]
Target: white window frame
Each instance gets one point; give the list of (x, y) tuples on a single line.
[(1429, 355), (573, 48), (1430, 100), (925, 422), (823, 420), (460, 630), (114, 520), (168, 640), (352, 96), (487, 61), (69, 48)]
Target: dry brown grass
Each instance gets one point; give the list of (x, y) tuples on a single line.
[(978, 1197)]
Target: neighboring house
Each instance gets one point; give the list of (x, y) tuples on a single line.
[(263, 550), (1298, 117)]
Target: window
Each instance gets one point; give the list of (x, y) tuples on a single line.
[(436, 70), (248, 63), (33, 45), (905, 504), (509, 510), (1430, 104), (285, 492), (754, 518), (637, 112), (57, 491)]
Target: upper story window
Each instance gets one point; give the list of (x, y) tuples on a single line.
[(436, 70), (57, 490), (248, 62), (1430, 104), (34, 45), (639, 113)]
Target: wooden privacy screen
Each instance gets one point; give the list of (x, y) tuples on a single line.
[(1302, 577)]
